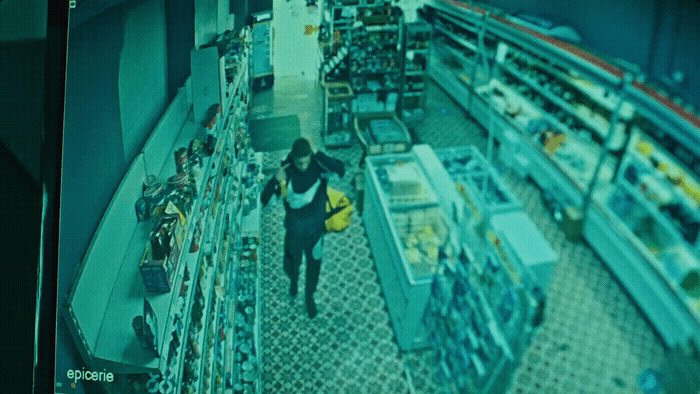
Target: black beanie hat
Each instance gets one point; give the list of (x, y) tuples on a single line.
[(300, 148)]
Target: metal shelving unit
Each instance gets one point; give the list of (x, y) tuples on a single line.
[(415, 71), (109, 278), (337, 122), (375, 60)]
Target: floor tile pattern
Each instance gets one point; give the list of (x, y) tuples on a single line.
[(593, 339)]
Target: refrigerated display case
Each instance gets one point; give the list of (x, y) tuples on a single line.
[(571, 121), (551, 111), (476, 178), (645, 224), (407, 231), (487, 294), (482, 315)]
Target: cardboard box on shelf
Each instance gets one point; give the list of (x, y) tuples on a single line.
[(158, 275), (162, 254)]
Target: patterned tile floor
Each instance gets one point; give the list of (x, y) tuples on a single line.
[(593, 339)]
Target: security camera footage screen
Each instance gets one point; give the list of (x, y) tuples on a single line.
[(389, 196)]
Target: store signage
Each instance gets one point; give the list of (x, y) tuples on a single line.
[(76, 375)]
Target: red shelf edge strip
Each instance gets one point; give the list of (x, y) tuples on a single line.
[(682, 112), (561, 44), (565, 46)]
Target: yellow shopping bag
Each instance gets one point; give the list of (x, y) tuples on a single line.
[(339, 210)]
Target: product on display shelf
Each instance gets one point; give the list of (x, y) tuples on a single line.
[(583, 114), (173, 243), (375, 51), (416, 50), (470, 313), (337, 114)]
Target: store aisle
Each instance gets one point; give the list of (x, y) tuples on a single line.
[(593, 339), (349, 346)]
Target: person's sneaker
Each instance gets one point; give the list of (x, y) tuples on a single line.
[(293, 289), (311, 307)]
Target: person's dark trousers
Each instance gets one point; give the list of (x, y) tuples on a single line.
[(294, 247)]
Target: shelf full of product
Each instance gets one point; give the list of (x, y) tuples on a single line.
[(375, 61), (333, 41), (593, 137), (336, 21), (419, 218), (415, 68), (383, 58), (152, 294)]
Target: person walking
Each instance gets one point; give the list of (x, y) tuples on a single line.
[(301, 181)]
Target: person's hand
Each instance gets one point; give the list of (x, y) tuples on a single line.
[(281, 174)]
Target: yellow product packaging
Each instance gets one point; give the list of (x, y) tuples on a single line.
[(339, 210), (645, 148)]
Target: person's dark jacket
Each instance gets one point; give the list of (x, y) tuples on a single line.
[(309, 220)]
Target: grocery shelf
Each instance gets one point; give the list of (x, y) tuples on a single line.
[(208, 289), (207, 358), (108, 290), (461, 41), (127, 291), (601, 130)]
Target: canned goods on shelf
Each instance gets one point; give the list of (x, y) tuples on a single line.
[(150, 181), (153, 191), (178, 181)]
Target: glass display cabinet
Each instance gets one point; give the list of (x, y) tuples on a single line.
[(475, 177), (407, 231), (649, 218)]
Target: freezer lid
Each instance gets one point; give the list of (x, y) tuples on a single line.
[(525, 238)]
